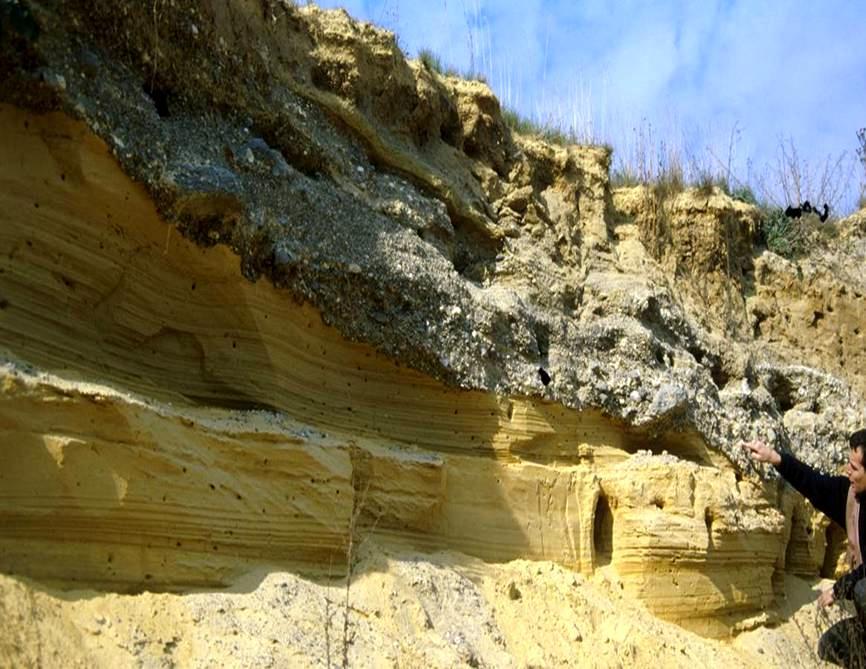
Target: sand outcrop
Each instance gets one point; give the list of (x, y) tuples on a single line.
[(297, 325)]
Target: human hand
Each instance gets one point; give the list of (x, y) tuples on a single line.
[(826, 598), (760, 452)]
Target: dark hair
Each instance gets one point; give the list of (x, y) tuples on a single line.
[(858, 440)]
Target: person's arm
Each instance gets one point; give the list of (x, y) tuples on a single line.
[(828, 494)]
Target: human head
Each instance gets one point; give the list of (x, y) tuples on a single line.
[(855, 470)]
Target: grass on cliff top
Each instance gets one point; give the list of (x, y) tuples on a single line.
[(667, 168), (665, 176), (548, 132), (523, 125), (518, 123), (434, 64)]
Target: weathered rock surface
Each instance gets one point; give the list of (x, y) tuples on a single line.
[(270, 293)]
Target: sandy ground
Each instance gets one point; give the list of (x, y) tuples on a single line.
[(401, 610)]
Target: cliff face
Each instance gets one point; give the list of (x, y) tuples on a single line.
[(275, 301)]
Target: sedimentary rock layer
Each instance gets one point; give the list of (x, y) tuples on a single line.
[(143, 481), (268, 291)]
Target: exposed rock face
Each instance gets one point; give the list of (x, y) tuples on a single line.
[(815, 309), (267, 289)]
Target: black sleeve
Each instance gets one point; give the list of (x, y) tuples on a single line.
[(844, 587), (828, 494)]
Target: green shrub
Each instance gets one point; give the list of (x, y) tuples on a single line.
[(783, 236), (861, 150), (669, 183), (744, 194), (706, 184), (624, 178), (526, 126), (433, 63), (519, 124), (430, 60), (861, 154), (469, 76)]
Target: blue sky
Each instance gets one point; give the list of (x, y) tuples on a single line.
[(687, 74)]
